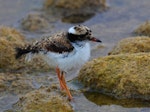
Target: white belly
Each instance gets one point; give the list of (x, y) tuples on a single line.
[(67, 61)]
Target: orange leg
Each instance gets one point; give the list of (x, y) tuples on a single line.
[(59, 77), (65, 85)]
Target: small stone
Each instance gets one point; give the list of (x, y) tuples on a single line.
[(143, 30)]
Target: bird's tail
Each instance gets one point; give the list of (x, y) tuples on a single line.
[(22, 51)]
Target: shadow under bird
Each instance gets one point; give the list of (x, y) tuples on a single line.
[(64, 51)]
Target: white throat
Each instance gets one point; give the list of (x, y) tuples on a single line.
[(72, 30)]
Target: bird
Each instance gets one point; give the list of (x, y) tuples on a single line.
[(63, 51)]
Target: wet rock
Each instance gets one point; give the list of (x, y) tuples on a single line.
[(143, 29), (34, 22), (67, 10), (43, 100), (14, 83), (2, 83), (132, 45), (74, 5), (77, 18), (9, 40), (122, 75)]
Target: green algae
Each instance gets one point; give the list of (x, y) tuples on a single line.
[(132, 45), (74, 12), (122, 75), (10, 38), (43, 100)]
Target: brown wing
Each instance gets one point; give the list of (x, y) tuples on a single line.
[(58, 43)]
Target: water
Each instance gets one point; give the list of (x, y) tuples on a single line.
[(112, 25)]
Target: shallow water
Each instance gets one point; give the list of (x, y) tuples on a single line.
[(117, 22), (102, 99)]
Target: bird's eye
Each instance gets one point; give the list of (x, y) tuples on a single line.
[(75, 27)]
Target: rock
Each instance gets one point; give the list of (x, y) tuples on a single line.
[(34, 22), (43, 100), (9, 40), (14, 83), (77, 18), (2, 83), (143, 29), (74, 5), (122, 75), (132, 45), (70, 11)]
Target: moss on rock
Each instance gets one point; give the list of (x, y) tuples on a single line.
[(10, 38), (143, 29), (122, 75), (34, 22), (14, 83), (43, 101), (70, 4), (132, 45), (74, 12)]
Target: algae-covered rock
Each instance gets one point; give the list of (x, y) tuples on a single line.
[(132, 45), (77, 18), (2, 83), (9, 40), (70, 4), (122, 75), (143, 29), (74, 11), (14, 83), (43, 100), (34, 22)]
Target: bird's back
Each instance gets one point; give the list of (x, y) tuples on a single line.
[(57, 43)]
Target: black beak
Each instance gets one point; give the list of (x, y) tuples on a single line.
[(94, 39)]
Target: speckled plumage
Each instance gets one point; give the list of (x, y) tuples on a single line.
[(65, 49), (56, 43)]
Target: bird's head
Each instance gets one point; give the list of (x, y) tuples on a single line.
[(81, 33)]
